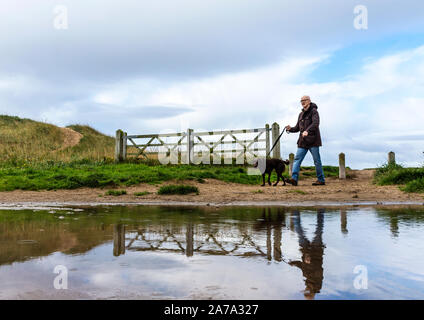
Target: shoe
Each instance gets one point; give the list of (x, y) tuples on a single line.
[(318, 183), (292, 182)]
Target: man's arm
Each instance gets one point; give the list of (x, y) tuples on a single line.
[(315, 121), (295, 128)]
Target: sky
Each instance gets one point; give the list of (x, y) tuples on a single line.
[(168, 65)]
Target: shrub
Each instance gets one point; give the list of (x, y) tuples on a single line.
[(412, 178), (143, 193), (416, 185), (178, 189), (398, 175), (297, 191), (115, 192)]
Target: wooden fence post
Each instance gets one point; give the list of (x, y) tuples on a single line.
[(190, 142), (124, 146), (119, 146), (118, 239), (291, 160), (267, 142), (391, 159), (275, 133), (189, 240), (342, 166)]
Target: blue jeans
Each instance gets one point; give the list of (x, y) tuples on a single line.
[(300, 155)]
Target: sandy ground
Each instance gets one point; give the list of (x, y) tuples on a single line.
[(71, 138), (357, 190)]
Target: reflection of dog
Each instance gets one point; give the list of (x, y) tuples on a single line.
[(271, 164)]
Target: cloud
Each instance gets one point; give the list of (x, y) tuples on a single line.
[(367, 115), (216, 65), (185, 39)]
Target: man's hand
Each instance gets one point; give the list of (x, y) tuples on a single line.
[(288, 127), (304, 133)]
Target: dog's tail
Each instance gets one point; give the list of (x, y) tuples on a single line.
[(287, 162)]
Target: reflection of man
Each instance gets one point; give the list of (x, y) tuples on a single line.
[(312, 255)]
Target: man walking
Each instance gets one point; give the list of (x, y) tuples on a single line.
[(309, 140)]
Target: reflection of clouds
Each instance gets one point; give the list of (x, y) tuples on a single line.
[(394, 265)]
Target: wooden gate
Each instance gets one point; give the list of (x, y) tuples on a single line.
[(191, 147)]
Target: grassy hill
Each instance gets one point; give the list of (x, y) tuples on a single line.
[(40, 156), (26, 140)]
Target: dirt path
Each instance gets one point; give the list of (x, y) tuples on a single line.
[(71, 138), (357, 190)]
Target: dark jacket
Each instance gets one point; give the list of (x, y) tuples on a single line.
[(308, 121)]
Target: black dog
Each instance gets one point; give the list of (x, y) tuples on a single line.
[(269, 165)]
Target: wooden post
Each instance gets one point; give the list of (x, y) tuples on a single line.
[(268, 242), (343, 221), (342, 166), (291, 160), (267, 142), (118, 239), (179, 156), (275, 133), (391, 159), (277, 242), (190, 142), (189, 240), (124, 146), (118, 146)]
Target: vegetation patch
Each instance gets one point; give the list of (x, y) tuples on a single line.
[(297, 191), (55, 175), (25, 141), (34, 157), (409, 179), (143, 193), (178, 189), (115, 193)]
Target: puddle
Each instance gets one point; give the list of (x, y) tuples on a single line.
[(150, 252)]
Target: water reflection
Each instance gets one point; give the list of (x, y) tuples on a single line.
[(343, 221), (288, 244), (118, 239), (312, 254)]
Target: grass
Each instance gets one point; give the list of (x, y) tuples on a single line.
[(33, 158), (115, 193), (55, 175), (408, 179), (25, 141), (258, 191), (143, 193), (297, 191), (51, 175), (178, 189)]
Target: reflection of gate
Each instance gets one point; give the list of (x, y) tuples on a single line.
[(194, 147), (208, 243)]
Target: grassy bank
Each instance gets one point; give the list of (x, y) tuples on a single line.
[(41, 156), (53, 175), (408, 179), (25, 141)]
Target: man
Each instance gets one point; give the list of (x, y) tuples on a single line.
[(309, 140)]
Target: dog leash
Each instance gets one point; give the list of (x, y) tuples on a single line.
[(278, 139)]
